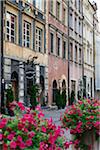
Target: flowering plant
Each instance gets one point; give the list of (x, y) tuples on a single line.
[(81, 118), (30, 131)]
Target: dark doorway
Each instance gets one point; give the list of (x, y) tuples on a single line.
[(54, 90), (42, 85), (14, 80)]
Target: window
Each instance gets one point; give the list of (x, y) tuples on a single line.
[(52, 42), (64, 49), (10, 27), (51, 6), (88, 60), (71, 20), (29, 1), (76, 3), (39, 4), (79, 28), (80, 56), (75, 25), (91, 57), (71, 51), (64, 15), (58, 10), (26, 38), (73, 85), (38, 39), (58, 46), (75, 53)]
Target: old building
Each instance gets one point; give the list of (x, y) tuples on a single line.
[(24, 41), (88, 46), (57, 18), (75, 47)]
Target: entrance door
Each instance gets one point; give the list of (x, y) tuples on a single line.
[(54, 90), (14, 80)]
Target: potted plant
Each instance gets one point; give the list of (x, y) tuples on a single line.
[(83, 121)]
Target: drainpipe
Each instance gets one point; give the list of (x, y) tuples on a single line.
[(82, 53), (2, 57), (68, 58), (94, 51)]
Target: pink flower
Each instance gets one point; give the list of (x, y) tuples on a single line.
[(67, 144), (21, 106), (13, 144), (19, 138), (38, 108), (31, 134), (28, 142), (10, 136), (40, 114), (43, 129), (1, 136), (22, 145)]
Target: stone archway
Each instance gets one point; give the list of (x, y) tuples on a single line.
[(14, 80), (54, 91)]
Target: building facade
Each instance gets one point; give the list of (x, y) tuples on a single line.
[(88, 46), (57, 16), (25, 37), (75, 46)]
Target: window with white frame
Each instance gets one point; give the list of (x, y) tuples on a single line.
[(39, 4), (58, 10), (52, 42), (10, 27), (38, 39), (29, 1), (26, 34)]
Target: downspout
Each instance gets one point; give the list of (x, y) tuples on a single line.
[(83, 52), (2, 57), (68, 59)]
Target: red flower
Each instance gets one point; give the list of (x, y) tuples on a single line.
[(1, 136), (13, 144), (43, 129), (19, 138), (5, 146), (31, 134), (22, 145), (10, 136), (28, 142)]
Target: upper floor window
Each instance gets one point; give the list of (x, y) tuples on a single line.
[(75, 53), (71, 20), (75, 25), (80, 55), (29, 1), (26, 35), (10, 27), (38, 39), (64, 49), (76, 3), (64, 15), (71, 51), (58, 10), (39, 4), (51, 6), (52, 42), (58, 46)]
